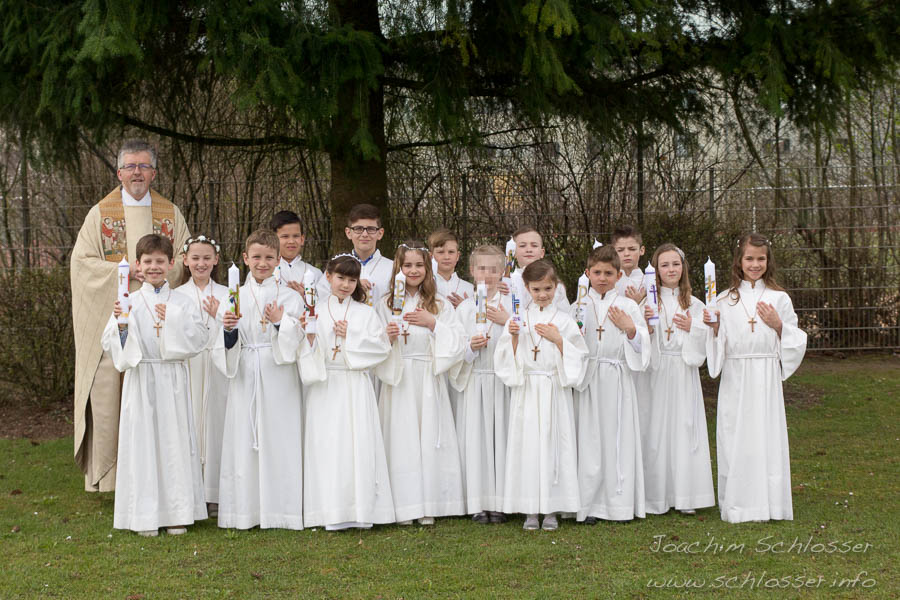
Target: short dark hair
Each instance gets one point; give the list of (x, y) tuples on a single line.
[(441, 236), (604, 254), (527, 229), (153, 242), (627, 231), (539, 270), (284, 217), (364, 211)]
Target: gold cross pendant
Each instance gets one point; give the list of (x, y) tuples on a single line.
[(405, 335), (752, 322), (157, 327), (336, 349), (535, 350), (669, 332), (263, 322)]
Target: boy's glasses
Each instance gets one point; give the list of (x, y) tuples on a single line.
[(359, 229), (133, 166)]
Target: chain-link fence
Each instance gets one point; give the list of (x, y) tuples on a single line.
[(835, 231)]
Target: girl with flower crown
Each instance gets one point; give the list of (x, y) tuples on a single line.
[(419, 434), (754, 344), (209, 386), (346, 483)]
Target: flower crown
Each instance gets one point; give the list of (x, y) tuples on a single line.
[(766, 241), (201, 238), (423, 250), (341, 255)]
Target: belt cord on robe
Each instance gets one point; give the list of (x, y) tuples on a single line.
[(374, 437), (254, 402), (190, 408), (554, 425), (620, 393)]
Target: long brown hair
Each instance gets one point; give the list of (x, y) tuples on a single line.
[(186, 272), (427, 289), (684, 284), (737, 273), (348, 266)]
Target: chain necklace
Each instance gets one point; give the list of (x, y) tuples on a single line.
[(536, 346), (262, 315), (600, 323), (751, 319), (337, 347), (157, 323)]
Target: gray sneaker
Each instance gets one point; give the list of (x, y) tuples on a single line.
[(532, 523), (550, 523)]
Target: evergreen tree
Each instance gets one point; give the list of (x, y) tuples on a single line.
[(325, 73)]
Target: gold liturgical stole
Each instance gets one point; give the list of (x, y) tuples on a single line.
[(112, 224)]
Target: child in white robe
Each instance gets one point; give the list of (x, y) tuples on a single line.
[(482, 418), (209, 386), (419, 433), (159, 481), (345, 473), (610, 471), (261, 481), (444, 248), (674, 442), (754, 344), (540, 358), (291, 268), (529, 248)]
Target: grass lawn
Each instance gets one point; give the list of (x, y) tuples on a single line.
[(58, 541)]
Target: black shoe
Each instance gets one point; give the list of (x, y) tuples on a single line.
[(590, 521), (482, 518), (497, 517)]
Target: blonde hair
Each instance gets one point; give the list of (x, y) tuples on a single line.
[(263, 237), (488, 250), (737, 272), (440, 237)]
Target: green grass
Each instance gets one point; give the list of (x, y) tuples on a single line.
[(844, 457)]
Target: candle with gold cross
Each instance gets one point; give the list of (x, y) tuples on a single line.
[(124, 296), (709, 277)]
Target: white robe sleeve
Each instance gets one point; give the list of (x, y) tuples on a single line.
[(459, 375), (508, 365), (448, 342), (286, 340), (792, 346), (390, 370), (637, 360), (368, 345), (715, 344), (572, 362), (184, 335), (560, 300), (126, 357), (311, 362), (693, 349)]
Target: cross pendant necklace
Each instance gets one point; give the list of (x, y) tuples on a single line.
[(751, 319), (337, 346), (157, 323), (669, 330), (536, 346), (600, 322), (262, 315)]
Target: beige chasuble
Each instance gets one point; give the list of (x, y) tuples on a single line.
[(110, 231)]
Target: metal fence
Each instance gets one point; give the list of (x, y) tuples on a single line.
[(835, 231)]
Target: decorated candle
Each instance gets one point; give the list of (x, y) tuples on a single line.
[(234, 289), (584, 285), (481, 308), (399, 296), (510, 257), (709, 277), (310, 297), (124, 295), (517, 288), (652, 294)]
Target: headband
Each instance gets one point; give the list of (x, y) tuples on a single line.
[(765, 241), (343, 254), (200, 238), (423, 250)]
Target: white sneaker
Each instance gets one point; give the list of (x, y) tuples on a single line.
[(689, 511), (426, 521), (550, 523), (149, 533), (532, 523), (409, 522), (176, 530)]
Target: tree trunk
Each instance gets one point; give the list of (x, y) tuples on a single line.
[(355, 179)]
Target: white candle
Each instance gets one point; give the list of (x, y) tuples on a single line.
[(234, 289), (399, 296), (652, 294), (124, 296), (510, 257), (481, 308), (517, 288), (709, 277), (584, 285), (310, 296), (597, 244)]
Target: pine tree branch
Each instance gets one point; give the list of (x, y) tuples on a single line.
[(463, 139), (222, 141)]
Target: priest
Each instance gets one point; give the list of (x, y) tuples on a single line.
[(110, 232)]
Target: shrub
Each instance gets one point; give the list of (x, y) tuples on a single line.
[(38, 359)]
